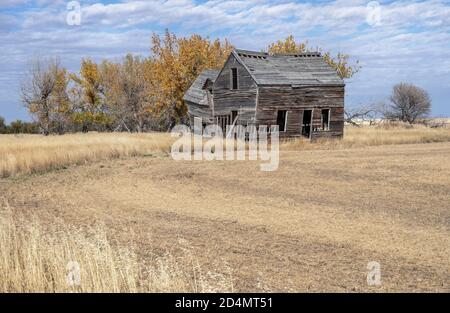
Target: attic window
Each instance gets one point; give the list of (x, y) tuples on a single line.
[(234, 79)]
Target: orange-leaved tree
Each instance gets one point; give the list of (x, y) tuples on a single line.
[(176, 62)]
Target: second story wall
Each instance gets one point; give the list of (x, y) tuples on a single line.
[(242, 99)]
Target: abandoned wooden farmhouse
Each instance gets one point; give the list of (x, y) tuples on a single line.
[(300, 93)]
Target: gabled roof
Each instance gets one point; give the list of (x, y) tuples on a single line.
[(300, 69), (196, 93)]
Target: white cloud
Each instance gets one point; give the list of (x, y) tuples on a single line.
[(12, 3)]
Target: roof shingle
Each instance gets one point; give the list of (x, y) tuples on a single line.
[(196, 93), (307, 68), (294, 70)]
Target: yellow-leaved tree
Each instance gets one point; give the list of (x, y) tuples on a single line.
[(63, 111), (176, 63), (89, 107), (341, 62), (287, 45)]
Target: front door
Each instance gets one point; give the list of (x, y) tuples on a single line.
[(306, 123)]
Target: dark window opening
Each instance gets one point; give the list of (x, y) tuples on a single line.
[(281, 120), (325, 119), (306, 123), (234, 79)]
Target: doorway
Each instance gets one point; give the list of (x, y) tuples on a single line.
[(306, 123), (233, 116)]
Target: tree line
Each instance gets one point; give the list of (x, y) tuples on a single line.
[(18, 127), (135, 94)]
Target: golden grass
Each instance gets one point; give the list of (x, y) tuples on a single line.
[(36, 257), (33, 153), (356, 137), (26, 154)]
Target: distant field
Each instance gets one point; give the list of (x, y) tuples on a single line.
[(149, 223)]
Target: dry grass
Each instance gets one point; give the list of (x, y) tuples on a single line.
[(356, 137), (25, 154), (32, 260), (33, 153), (36, 257)]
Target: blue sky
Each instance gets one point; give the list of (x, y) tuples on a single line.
[(395, 41)]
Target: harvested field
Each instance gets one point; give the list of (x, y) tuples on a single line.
[(313, 225)]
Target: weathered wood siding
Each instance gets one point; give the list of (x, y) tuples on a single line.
[(242, 100), (336, 125), (196, 110), (295, 100)]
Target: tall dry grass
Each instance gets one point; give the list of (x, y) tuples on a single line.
[(34, 153), (355, 137), (40, 258)]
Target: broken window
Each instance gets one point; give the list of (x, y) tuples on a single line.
[(281, 120), (325, 119), (234, 79)]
